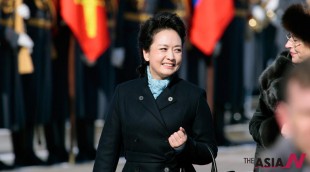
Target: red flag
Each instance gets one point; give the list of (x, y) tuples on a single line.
[(88, 22), (210, 19)]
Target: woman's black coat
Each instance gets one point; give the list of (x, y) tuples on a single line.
[(263, 126), (142, 125)]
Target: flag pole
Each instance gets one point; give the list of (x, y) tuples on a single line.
[(71, 77)]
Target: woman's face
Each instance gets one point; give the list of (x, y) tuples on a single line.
[(298, 49), (165, 54)]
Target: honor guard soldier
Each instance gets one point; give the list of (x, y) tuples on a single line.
[(12, 104), (106, 69), (125, 56), (55, 128), (90, 79), (229, 91), (37, 86)]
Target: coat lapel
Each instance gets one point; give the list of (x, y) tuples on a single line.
[(165, 99), (148, 101)]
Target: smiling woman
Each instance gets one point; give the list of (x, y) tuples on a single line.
[(162, 122), (165, 54), (161, 41), (296, 20), (299, 50)]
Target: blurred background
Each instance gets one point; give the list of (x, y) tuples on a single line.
[(60, 61)]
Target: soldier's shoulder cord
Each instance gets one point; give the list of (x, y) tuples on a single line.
[(7, 6)]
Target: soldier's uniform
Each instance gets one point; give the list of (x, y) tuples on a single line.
[(106, 70), (89, 79), (229, 91), (180, 7), (86, 93), (11, 105), (12, 95), (55, 128), (11, 113), (37, 86), (131, 13)]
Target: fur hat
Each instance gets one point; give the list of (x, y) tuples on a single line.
[(296, 19)]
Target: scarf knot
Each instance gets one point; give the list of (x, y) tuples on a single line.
[(156, 86)]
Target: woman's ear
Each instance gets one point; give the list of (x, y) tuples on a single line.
[(146, 55)]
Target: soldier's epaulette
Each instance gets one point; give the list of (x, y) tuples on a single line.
[(7, 7), (140, 17), (180, 13), (40, 4), (241, 12), (111, 23), (39, 23), (7, 22)]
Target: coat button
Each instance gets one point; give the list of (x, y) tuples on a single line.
[(166, 169), (137, 169), (170, 99), (141, 97)]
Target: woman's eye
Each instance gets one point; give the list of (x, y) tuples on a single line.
[(163, 49), (178, 50)]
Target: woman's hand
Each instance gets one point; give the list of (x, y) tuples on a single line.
[(178, 138)]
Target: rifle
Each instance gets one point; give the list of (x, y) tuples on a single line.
[(25, 65)]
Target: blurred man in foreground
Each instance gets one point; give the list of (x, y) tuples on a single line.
[(293, 117)]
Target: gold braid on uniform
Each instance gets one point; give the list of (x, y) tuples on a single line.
[(181, 9), (52, 10), (41, 4), (110, 7), (7, 6), (44, 5)]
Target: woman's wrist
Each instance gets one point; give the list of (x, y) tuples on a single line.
[(180, 148)]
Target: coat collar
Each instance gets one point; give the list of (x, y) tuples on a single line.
[(174, 80), (166, 98)]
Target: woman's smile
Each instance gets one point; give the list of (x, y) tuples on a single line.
[(169, 65)]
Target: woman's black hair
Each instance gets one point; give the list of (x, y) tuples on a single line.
[(159, 22)]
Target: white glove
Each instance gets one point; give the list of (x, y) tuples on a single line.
[(24, 11), (118, 57), (272, 5), (25, 41), (259, 13)]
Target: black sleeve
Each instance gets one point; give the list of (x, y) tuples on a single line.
[(119, 30), (1, 28), (263, 126), (8, 37), (108, 151), (201, 136)]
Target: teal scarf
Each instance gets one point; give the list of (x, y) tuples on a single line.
[(156, 86)]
